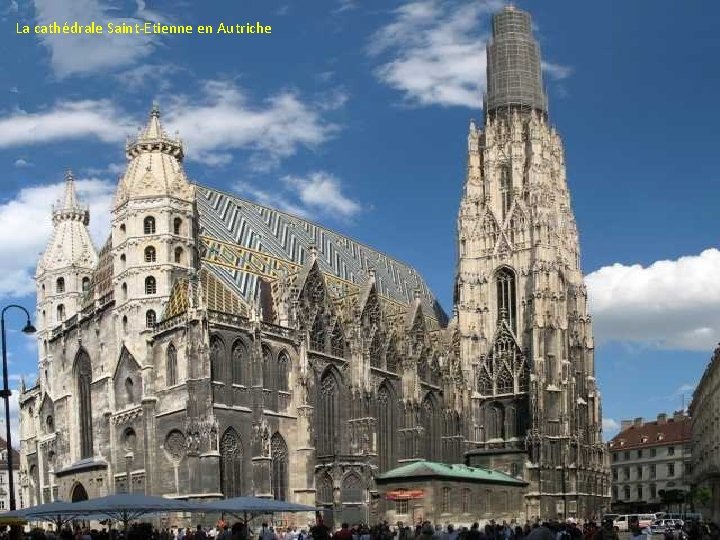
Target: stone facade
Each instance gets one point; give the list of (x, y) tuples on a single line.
[(210, 336), (705, 437), (5, 481), (648, 459), (522, 328)]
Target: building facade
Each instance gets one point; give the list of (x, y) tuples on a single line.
[(523, 331), (706, 439), (5, 480), (651, 463), (210, 334)]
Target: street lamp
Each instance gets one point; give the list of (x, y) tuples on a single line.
[(5, 394)]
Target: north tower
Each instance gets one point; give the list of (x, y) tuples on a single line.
[(525, 332)]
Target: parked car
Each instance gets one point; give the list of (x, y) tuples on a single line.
[(659, 526)]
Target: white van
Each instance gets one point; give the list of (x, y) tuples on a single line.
[(622, 522)]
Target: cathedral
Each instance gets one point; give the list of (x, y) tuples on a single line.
[(214, 347)]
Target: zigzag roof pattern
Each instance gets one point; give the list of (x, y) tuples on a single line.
[(242, 241)]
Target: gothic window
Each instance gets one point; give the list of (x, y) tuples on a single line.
[(150, 318), (43, 292), (60, 317), (510, 422), (50, 423), (429, 432), (505, 189), (216, 359), (129, 390), (523, 384), (279, 455), (505, 382), (495, 421), (324, 490), (375, 352), (175, 444), (123, 261), (267, 367), (239, 361), (177, 225), (178, 255), (337, 341), (122, 230), (84, 378), (352, 490), (150, 254), (171, 367), (391, 356), (150, 285), (130, 440), (85, 284), (317, 335), (505, 280), (125, 324), (149, 225), (60, 285), (283, 368), (386, 428), (484, 383), (231, 464), (328, 421)]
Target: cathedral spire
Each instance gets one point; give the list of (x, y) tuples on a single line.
[(68, 208), (514, 74)]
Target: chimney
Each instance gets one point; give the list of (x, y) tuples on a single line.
[(625, 424), (638, 421), (662, 418)]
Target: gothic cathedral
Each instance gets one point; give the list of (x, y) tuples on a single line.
[(215, 347)]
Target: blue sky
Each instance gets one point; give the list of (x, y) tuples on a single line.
[(355, 113)]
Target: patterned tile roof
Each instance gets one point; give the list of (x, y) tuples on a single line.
[(674, 430), (432, 469), (242, 241)]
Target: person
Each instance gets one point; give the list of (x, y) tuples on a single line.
[(637, 532), (474, 532), (540, 532), (344, 533)]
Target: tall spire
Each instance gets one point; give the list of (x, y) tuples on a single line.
[(514, 74), (68, 207)]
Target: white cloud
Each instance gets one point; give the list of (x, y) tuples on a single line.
[(346, 5), (82, 54), (20, 163), (30, 212), (319, 194), (155, 76), (610, 427), (225, 120), (671, 304), (98, 119), (435, 53), (556, 72)]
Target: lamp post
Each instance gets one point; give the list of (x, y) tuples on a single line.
[(5, 394)]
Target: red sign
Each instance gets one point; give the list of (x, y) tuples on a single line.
[(400, 494)]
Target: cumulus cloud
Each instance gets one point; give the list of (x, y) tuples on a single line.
[(318, 194), (610, 427), (224, 120), (671, 304), (83, 54), (20, 163), (29, 211), (434, 52), (556, 72), (221, 120)]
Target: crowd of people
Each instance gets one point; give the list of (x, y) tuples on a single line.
[(492, 530)]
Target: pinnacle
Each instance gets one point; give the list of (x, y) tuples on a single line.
[(69, 198)]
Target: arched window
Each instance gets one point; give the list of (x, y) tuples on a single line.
[(171, 367), (375, 352), (317, 335), (84, 378), (505, 382), (123, 261), (124, 291), (177, 226), (429, 431), (239, 361), (231, 464), (130, 439), (122, 230), (150, 318), (150, 254), (484, 383), (178, 255), (125, 324), (129, 390), (60, 285), (60, 313), (50, 423), (328, 416), (43, 292), (283, 366), (217, 357), (505, 189), (267, 367), (495, 421), (150, 285), (149, 225), (505, 281), (337, 341), (386, 428), (324, 494), (279, 455), (391, 355), (352, 490), (85, 284)]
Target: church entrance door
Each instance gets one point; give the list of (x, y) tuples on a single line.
[(78, 493)]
